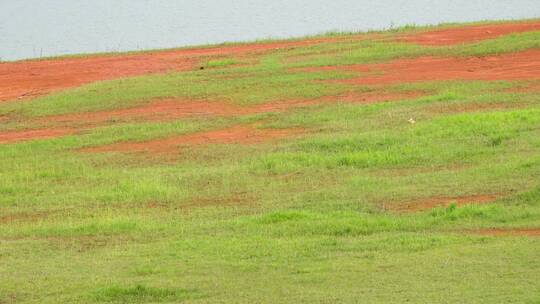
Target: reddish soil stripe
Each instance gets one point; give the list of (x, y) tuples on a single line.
[(469, 33), (17, 136), (163, 110), (29, 79), (516, 66), (430, 203), (508, 232), (170, 109), (35, 78), (25, 217), (233, 135)]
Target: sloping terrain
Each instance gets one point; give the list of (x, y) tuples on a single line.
[(387, 167)]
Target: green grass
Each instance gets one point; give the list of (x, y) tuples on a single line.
[(279, 221), (140, 294)]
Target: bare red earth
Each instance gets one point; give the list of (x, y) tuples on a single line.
[(515, 66), (240, 134), (34, 78), (430, 203), (28, 79), (171, 109), (161, 110), (17, 136), (470, 33)]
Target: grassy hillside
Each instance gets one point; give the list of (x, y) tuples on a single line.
[(301, 174)]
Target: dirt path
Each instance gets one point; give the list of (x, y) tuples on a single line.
[(27, 79), (470, 33)]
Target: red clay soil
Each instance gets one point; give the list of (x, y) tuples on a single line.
[(17, 136), (34, 78), (240, 134), (170, 109), (515, 66), (470, 33), (508, 232), (27, 79), (430, 203)]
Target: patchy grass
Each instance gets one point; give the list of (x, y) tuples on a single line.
[(141, 294), (279, 221), (220, 63)]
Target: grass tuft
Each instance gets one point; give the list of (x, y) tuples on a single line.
[(142, 294)]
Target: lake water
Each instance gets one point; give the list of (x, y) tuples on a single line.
[(35, 28)]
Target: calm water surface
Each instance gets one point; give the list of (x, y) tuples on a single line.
[(35, 28)]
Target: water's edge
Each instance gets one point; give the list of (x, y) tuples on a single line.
[(56, 28)]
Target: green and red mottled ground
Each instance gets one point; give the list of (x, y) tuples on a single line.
[(382, 167)]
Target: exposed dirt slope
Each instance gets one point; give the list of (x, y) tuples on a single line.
[(515, 66), (470, 33), (28, 79)]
